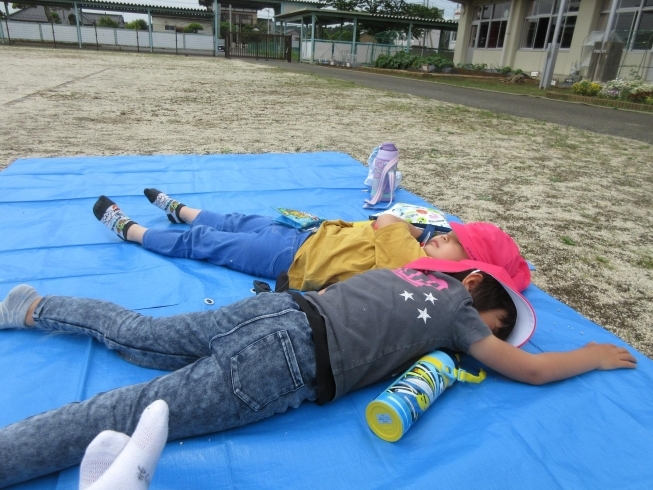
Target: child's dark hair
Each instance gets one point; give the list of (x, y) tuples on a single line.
[(489, 295)]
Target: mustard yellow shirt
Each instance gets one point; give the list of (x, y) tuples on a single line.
[(339, 250)]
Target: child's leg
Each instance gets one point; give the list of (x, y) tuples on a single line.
[(160, 343), (177, 211), (264, 252), (263, 363)]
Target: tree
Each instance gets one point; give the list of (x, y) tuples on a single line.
[(137, 24), (193, 27), (107, 22), (72, 20), (55, 18)]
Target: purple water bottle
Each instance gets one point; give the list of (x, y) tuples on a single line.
[(383, 182)]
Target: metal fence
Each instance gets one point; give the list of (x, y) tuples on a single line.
[(340, 52), (257, 45), (106, 37)]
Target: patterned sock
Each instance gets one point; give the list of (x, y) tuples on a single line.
[(111, 216), (15, 306), (165, 203)]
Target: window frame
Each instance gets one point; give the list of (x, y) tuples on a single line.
[(484, 19), (645, 8), (539, 19)]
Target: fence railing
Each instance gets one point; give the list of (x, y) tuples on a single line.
[(257, 45), (340, 52), (104, 36)]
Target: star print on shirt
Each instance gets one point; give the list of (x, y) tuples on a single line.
[(430, 297), (423, 314), (407, 295)]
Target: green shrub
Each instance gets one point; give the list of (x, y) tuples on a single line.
[(585, 87), (403, 61), (137, 24), (440, 62), (193, 27), (635, 90), (107, 22)]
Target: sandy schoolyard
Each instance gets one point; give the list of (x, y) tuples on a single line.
[(580, 204)]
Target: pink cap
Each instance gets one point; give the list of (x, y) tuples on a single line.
[(485, 242), (526, 320)]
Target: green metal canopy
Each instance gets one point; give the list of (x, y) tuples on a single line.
[(331, 17)]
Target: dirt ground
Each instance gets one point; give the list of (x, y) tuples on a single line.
[(578, 203)]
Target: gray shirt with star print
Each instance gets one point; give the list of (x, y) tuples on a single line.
[(379, 321)]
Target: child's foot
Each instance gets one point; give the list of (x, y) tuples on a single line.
[(111, 216), (15, 306), (165, 203)]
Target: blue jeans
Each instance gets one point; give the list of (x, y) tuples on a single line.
[(232, 366), (255, 245)]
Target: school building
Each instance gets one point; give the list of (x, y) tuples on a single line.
[(598, 39)]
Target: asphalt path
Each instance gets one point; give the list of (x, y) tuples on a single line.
[(617, 122)]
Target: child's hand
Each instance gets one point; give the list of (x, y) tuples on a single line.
[(609, 356)]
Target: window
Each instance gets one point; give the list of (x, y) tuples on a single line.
[(540, 23), (633, 22), (171, 28), (489, 25)]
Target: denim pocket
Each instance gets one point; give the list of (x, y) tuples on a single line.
[(265, 370)]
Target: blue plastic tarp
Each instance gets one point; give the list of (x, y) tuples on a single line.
[(593, 431)]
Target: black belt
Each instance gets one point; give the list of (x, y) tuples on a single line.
[(326, 384)]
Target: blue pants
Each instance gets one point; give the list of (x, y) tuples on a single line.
[(255, 245), (232, 366)]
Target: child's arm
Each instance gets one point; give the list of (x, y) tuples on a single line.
[(543, 368), (388, 219)]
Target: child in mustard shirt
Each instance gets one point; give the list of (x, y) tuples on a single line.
[(337, 250)]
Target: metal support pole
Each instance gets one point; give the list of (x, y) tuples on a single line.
[(353, 39), (7, 22), (176, 51), (138, 44), (610, 23), (312, 39), (97, 44), (149, 26), (79, 30), (410, 36), (606, 36), (301, 38), (506, 37), (552, 55), (54, 41), (216, 26)]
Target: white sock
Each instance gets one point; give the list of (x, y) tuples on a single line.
[(100, 455), (15, 306), (133, 468)]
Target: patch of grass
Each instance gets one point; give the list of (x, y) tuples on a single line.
[(485, 198), (495, 84), (556, 179), (645, 262), (568, 241), (601, 260), (225, 150)]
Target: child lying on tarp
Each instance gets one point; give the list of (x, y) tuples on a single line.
[(260, 356), (260, 246)]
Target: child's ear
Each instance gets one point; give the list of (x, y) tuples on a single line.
[(472, 280)]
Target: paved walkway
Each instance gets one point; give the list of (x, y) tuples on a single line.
[(627, 124)]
